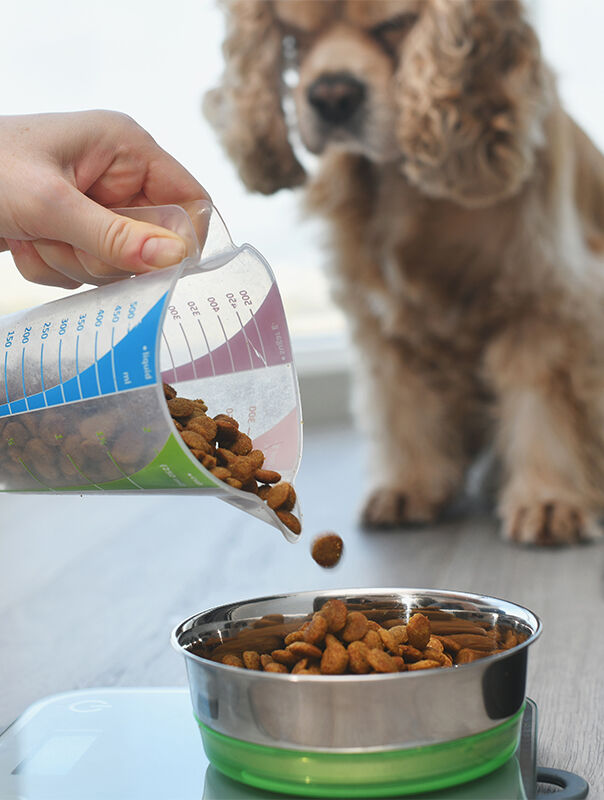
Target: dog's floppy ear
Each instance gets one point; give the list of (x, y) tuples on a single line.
[(246, 109), (472, 94)]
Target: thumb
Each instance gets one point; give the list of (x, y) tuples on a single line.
[(122, 242)]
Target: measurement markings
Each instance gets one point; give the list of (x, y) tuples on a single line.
[(5, 376), (42, 373), (227, 343), (165, 338), (249, 344), (189, 349), (92, 483), (96, 362), (23, 378), (113, 360), (61, 371), (259, 339), (34, 476), (78, 366), (117, 466), (207, 346)]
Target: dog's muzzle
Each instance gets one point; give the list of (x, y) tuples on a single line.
[(336, 97)]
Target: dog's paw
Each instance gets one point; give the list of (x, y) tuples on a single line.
[(390, 508), (550, 523), (384, 508)]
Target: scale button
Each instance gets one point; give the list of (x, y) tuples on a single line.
[(88, 706)]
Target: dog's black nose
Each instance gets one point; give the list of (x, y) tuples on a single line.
[(336, 96)]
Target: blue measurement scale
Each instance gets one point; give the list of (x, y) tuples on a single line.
[(60, 354)]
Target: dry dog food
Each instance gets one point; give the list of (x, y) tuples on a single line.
[(327, 549), (78, 445), (337, 641), (229, 454)]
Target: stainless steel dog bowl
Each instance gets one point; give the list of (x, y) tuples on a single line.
[(358, 735)]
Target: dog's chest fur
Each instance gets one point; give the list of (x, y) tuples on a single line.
[(422, 268)]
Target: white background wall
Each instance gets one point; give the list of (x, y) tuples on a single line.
[(571, 38), (153, 60)]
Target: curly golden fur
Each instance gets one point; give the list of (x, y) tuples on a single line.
[(467, 219)]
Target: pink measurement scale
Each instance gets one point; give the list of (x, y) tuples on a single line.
[(81, 400)]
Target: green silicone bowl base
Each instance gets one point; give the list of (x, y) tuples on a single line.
[(375, 774)]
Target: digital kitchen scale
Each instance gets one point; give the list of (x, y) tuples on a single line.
[(143, 744)]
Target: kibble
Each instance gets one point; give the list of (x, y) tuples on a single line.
[(327, 549), (229, 454), (337, 641)]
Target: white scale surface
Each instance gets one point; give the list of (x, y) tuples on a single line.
[(104, 744), (142, 744)]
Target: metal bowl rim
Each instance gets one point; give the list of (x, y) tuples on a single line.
[(361, 592)]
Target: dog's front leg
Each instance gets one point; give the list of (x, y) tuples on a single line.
[(414, 421), (550, 395)]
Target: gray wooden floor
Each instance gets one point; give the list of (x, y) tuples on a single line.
[(90, 589)]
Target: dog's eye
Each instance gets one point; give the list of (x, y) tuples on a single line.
[(295, 43), (390, 31)]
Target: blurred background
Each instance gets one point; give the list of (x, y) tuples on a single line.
[(154, 61)]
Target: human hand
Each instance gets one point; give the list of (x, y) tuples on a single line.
[(60, 175)]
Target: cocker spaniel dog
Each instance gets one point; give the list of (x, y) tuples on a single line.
[(467, 219)]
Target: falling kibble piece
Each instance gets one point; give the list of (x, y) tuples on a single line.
[(327, 549)]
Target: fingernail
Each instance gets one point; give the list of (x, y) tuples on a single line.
[(163, 252)]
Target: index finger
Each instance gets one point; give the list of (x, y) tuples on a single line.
[(153, 178)]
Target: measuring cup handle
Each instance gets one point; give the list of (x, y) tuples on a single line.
[(198, 223), (190, 221)]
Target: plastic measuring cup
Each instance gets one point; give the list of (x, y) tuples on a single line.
[(82, 407)]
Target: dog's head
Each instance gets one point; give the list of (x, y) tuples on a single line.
[(452, 92)]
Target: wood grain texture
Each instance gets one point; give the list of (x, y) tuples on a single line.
[(91, 587)]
